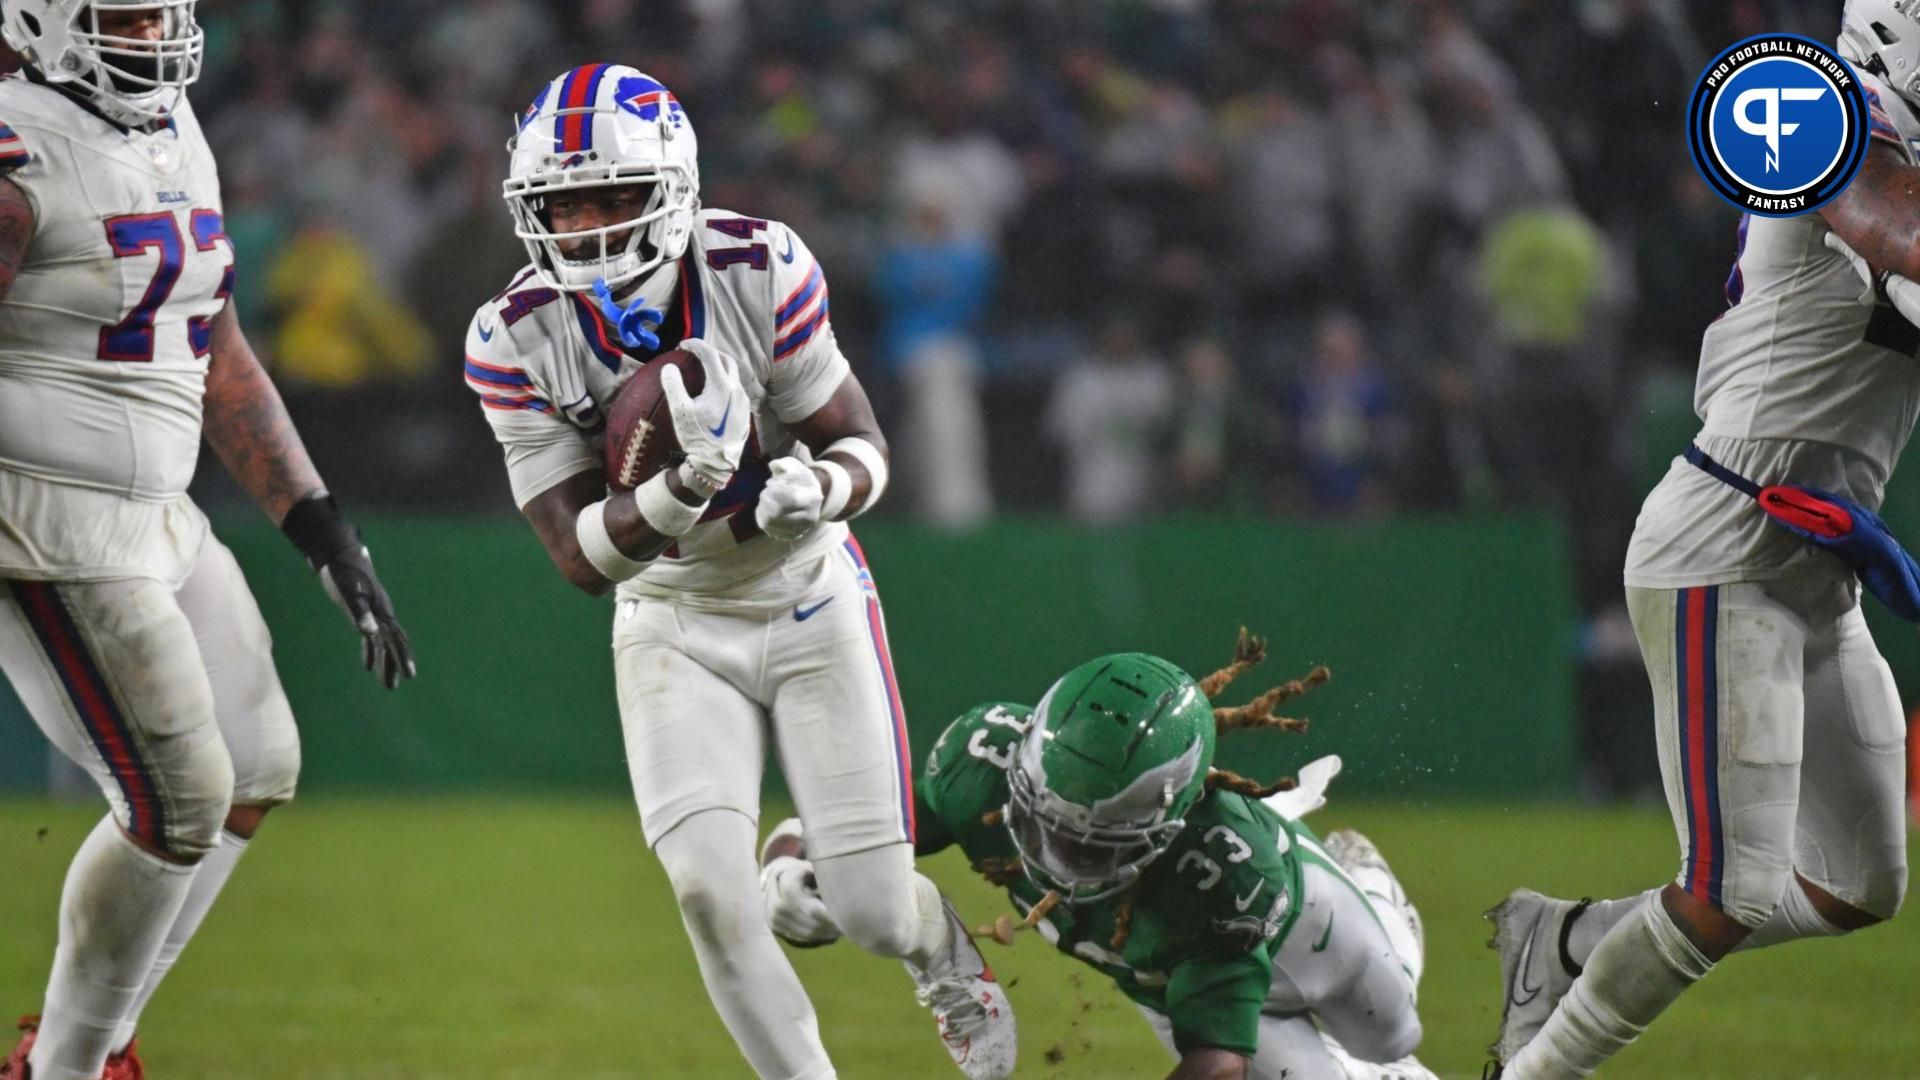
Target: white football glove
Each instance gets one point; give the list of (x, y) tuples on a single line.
[(794, 907), (713, 427), (790, 503), (1903, 292)]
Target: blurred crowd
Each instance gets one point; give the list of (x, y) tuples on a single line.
[(1298, 257)]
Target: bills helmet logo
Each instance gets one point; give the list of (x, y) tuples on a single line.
[(645, 98)]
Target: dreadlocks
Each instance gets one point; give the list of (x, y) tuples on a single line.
[(1228, 780), (1249, 650)]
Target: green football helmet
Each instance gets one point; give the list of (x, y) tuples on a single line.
[(1117, 753)]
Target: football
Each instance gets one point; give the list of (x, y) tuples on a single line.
[(640, 438)]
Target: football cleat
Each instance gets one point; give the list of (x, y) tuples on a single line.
[(969, 1006), (15, 1067), (1530, 934), (126, 1064)]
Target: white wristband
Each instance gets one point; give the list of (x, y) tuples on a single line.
[(870, 457), (839, 489), (590, 528), (667, 514)]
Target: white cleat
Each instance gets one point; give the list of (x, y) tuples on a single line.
[(969, 1006), (1530, 933)]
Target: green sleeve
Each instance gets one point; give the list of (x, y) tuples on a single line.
[(1216, 1002), (930, 834)]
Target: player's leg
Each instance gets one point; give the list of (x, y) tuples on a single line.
[(111, 673), (696, 751), (843, 746), (256, 723), (1727, 670), (1850, 842), (1342, 964)]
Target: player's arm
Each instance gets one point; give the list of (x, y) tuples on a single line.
[(16, 232), (555, 515), (848, 473), (815, 394), (597, 540), (1878, 215), (247, 425), (1212, 1063), (1214, 1002)]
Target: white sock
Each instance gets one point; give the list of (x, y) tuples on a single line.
[(1639, 969), (208, 879), (710, 858), (1598, 918), (932, 932), (1793, 920), (114, 913)]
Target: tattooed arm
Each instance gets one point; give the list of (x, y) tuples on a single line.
[(247, 425), (16, 231)]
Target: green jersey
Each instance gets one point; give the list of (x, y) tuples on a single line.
[(1208, 914)]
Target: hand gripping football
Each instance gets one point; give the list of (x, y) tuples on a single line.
[(640, 440)]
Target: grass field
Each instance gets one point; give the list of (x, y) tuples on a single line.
[(474, 938)]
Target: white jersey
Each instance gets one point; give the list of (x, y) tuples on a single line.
[(1805, 379), (546, 363), (104, 336)]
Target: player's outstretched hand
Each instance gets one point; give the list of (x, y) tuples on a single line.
[(1903, 292), (790, 503), (332, 547), (713, 427), (384, 648)]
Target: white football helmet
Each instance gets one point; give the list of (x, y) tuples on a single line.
[(133, 81), (602, 125), (1883, 36)]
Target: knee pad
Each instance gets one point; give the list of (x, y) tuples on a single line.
[(871, 896), (195, 793), (267, 771), (709, 862)]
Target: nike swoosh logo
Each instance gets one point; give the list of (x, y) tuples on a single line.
[(801, 614), (716, 432), (1321, 945), (787, 255), (1526, 958), (486, 334), (1241, 903)]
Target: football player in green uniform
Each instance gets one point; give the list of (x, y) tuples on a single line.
[(1253, 949)]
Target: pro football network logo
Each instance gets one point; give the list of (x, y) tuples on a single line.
[(1778, 124)]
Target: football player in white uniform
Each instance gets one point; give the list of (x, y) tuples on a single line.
[(1781, 736), (125, 626), (745, 609)]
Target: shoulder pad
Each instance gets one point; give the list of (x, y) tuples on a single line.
[(965, 776), (986, 733)]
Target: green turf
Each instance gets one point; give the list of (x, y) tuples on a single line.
[(514, 938)]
